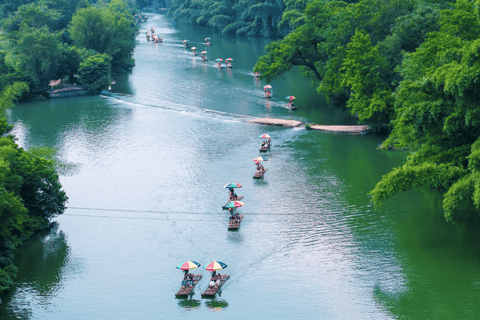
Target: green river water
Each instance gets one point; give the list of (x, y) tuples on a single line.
[(145, 180)]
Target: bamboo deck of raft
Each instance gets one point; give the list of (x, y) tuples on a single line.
[(211, 291), (259, 174), (234, 223), (264, 148), (188, 288)]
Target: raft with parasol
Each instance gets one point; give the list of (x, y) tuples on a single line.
[(267, 92), (291, 106), (265, 144), (233, 196), (231, 199), (189, 280), (235, 218), (260, 169), (217, 280)]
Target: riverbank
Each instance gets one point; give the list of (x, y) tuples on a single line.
[(68, 90)]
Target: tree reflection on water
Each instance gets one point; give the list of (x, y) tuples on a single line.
[(40, 262), (216, 304), (189, 303)]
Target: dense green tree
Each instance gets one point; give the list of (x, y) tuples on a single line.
[(38, 54), (94, 73), (34, 15), (366, 72), (107, 30), (438, 116), (241, 17)]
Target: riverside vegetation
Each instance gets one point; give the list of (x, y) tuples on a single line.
[(44, 40)]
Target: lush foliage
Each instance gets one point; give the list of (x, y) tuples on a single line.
[(94, 73), (438, 115), (108, 30), (46, 40), (241, 17)]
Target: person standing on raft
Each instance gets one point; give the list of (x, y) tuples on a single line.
[(290, 102)]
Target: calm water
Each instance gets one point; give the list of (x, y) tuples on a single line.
[(147, 167)]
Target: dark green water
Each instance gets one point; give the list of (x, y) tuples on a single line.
[(155, 157)]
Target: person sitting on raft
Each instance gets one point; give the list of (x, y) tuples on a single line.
[(219, 64), (186, 276), (268, 94), (259, 167)]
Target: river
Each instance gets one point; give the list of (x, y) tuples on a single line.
[(145, 175)]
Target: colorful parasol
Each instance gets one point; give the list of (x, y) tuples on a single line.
[(290, 97), (207, 39), (234, 204), (204, 52), (229, 59), (265, 136), (232, 185), (188, 265), (267, 87), (218, 60), (215, 265), (257, 159), (185, 40), (193, 48)]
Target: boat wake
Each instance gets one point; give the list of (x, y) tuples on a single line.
[(181, 108)]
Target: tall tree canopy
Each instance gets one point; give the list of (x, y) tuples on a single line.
[(241, 17), (108, 30)]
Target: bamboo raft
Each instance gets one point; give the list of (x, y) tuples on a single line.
[(259, 174), (237, 199), (264, 148), (277, 122), (188, 288), (234, 223), (211, 291)]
